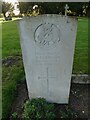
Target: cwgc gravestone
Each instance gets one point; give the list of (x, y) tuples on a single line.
[(47, 43)]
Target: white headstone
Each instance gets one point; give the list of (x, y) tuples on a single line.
[(47, 44)]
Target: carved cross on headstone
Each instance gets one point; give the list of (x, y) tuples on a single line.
[(66, 8)]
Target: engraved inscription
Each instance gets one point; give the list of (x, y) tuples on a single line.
[(47, 34), (48, 58)]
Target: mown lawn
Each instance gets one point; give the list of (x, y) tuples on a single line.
[(10, 34), (13, 74), (12, 69), (81, 50)]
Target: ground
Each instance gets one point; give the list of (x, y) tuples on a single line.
[(13, 71), (78, 101)]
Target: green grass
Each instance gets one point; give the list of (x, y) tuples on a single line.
[(10, 36), (81, 50), (12, 75)]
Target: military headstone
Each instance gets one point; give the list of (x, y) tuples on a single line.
[(48, 43)]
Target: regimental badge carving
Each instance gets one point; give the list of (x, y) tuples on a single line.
[(47, 34)]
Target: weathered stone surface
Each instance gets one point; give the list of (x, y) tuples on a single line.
[(47, 44)]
